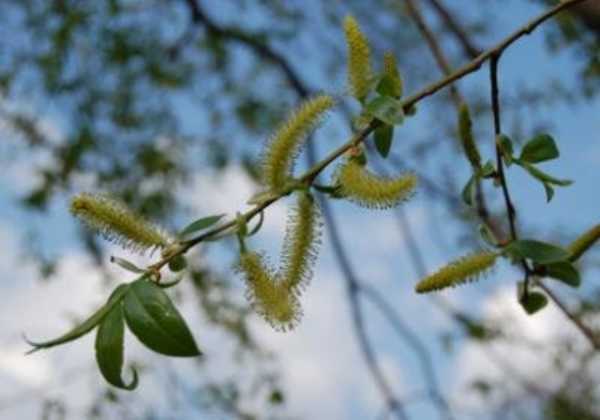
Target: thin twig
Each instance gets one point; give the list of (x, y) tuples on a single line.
[(434, 47), (471, 51)]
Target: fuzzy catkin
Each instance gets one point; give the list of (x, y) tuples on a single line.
[(465, 132), (360, 74), (366, 189), (301, 243), (285, 144), (269, 297), (390, 70), (463, 270), (117, 223), (580, 245)]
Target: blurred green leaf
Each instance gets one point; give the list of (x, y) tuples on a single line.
[(384, 134), (199, 224), (537, 251), (387, 109), (564, 271)]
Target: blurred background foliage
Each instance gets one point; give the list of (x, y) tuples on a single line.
[(148, 91)]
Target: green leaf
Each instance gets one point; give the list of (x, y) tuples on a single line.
[(469, 190), (387, 109), (200, 224), (109, 349), (533, 302), (537, 251), (506, 148), (488, 170), (387, 86), (539, 149), (177, 263), (85, 327), (487, 235), (549, 192), (155, 321), (384, 134), (127, 265), (564, 271)]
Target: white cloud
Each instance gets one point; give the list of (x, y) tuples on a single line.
[(527, 352)]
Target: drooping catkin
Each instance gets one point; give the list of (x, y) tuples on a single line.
[(465, 132), (269, 297), (301, 243), (366, 189), (580, 245), (360, 74), (285, 144), (463, 270), (117, 223), (390, 71)]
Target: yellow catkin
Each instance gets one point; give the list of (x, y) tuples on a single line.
[(360, 74), (269, 297), (117, 223), (363, 187), (465, 132), (580, 245), (390, 71), (301, 243), (463, 270), (283, 147)]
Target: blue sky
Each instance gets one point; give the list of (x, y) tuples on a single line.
[(322, 369)]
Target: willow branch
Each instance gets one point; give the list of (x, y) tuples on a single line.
[(309, 177)]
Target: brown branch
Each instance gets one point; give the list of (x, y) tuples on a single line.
[(452, 24), (434, 47)]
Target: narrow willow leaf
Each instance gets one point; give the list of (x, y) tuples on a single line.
[(155, 321), (384, 134), (580, 245), (463, 270), (539, 149), (85, 327), (469, 191), (390, 83), (387, 109), (537, 251), (199, 224), (127, 265), (565, 272), (545, 178), (110, 348)]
